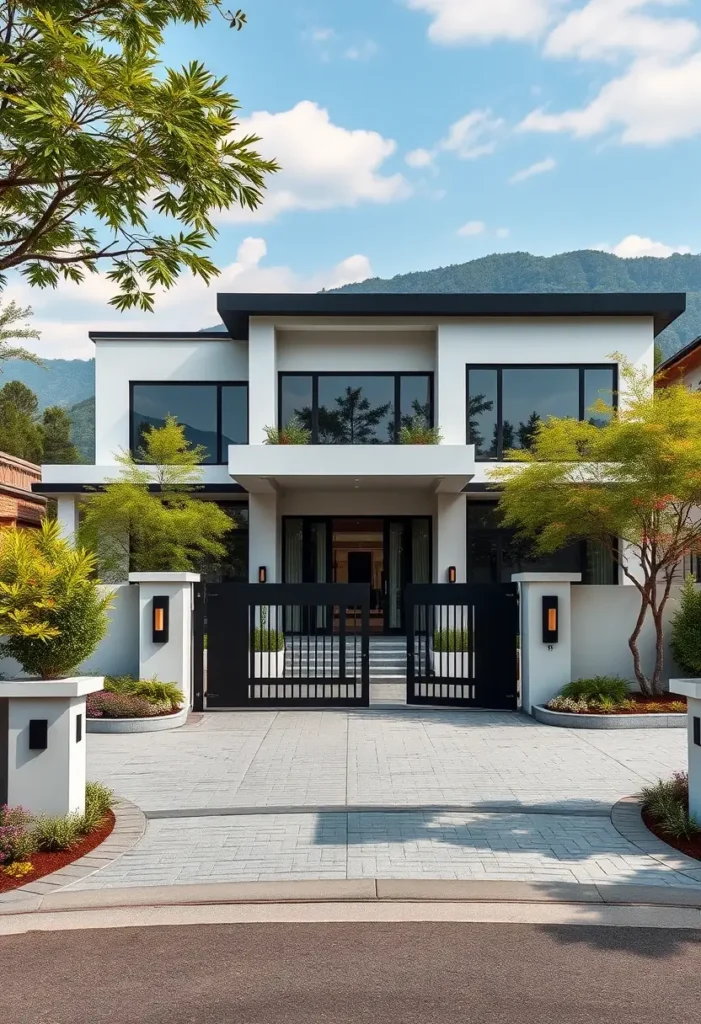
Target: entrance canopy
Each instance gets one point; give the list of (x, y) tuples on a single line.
[(438, 469)]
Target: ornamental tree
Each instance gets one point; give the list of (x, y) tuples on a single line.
[(632, 483), (101, 146)]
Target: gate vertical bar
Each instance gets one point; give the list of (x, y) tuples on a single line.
[(198, 592)]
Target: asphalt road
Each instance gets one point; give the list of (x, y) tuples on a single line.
[(352, 974)]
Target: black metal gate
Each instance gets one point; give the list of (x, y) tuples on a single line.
[(462, 645), (282, 645)]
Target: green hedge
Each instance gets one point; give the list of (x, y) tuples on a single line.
[(448, 641)]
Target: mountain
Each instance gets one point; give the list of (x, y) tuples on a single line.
[(63, 381), (83, 428), (585, 271)]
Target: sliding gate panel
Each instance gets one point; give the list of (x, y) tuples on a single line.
[(462, 645), (287, 645)]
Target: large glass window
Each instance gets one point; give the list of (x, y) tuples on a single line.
[(359, 408), (213, 415), (506, 404)]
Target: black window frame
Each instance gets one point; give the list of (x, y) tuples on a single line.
[(222, 457), (396, 374), (500, 367)]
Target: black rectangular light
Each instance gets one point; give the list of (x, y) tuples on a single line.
[(161, 607), (550, 620), (38, 733), (697, 731), (78, 728)]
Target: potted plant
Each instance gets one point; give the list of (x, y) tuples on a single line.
[(268, 649), (417, 431), (449, 653), (294, 432)]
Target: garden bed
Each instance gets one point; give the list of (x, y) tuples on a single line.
[(691, 847), (45, 863), (154, 723), (640, 704), (601, 720)]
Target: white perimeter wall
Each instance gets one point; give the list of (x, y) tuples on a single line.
[(119, 362), (118, 654), (602, 620)]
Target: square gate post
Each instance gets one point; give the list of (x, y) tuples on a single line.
[(545, 666), (691, 689), (166, 653)]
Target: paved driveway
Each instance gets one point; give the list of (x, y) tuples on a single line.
[(297, 795)]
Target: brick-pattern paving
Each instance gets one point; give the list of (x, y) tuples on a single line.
[(407, 844)]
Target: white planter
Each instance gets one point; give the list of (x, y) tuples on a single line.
[(449, 664), (269, 664)]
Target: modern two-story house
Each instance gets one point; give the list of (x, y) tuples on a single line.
[(354, 505)]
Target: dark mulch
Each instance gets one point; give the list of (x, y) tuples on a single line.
[(45, 863), (691, 847)]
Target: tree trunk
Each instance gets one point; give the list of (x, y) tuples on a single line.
[(646, 686)]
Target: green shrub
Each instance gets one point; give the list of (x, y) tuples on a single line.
[(667, 802), (417, 431), (98, 800), (612, 688), (52, 835), (292, 433), (265, 639), (16, 842), (451, 640), (52, 615), (151, 690), (686, 629)]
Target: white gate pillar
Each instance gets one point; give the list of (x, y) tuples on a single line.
[(166, 599), (691, 689), (545, 666)]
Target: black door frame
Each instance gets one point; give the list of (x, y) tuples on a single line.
[(407, 560)]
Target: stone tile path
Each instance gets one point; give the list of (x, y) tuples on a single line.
[(382, 794)]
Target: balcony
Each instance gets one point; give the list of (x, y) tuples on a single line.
[(267, 469)]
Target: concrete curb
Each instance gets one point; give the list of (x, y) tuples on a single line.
[(370, 890), (159, 723), (626, 818), (129, 827), (572, 720)]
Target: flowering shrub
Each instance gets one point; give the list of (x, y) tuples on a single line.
[(568, 704), (19, 869), (16, 841), (124, 705), (22, 835)]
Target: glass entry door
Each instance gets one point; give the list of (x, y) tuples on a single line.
[(407, 560)]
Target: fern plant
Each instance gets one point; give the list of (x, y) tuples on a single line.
[(294, 432), (417, 431)]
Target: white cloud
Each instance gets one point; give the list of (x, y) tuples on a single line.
[(465, 21), (541, 167), (323, 164), (65, 316), (652, 103), (636, 245), (473, 136), (503, 232), (362, 51), (420, 157), (603, 29), (321, 35), (472, 228)]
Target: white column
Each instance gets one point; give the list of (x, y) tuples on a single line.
[(262, 380), (264, 537), (46, 778), (452, 341), (171, 661), (67, 515), (451, 537), (545, 668), (691, 689)]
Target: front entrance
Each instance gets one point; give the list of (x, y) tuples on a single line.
[(385, 553)]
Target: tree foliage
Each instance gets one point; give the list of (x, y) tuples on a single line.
[(632, 483), (58, 449), (686, 629), (148, 519), (52, 614), (100, 145), (26, 435), (13, 327)]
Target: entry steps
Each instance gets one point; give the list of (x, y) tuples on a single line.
[(387, 656)]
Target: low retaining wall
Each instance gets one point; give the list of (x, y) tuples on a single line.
[(572, 720), (159, 723)]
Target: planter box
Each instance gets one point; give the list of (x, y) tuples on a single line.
[(158, 723), (573, 720), (449, 664), (269, 664)]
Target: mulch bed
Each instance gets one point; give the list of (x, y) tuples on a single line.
[(642, 706), (691, 847), (45, 863)]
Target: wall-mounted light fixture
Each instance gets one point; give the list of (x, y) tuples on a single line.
[(550, 620), (38, 733), (262, 574), (697, 731), (161, 606), (452, 574)]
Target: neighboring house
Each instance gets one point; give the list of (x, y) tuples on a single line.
[(18, 505), (354, 506)]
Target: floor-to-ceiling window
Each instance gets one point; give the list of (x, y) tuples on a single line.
[(214, 415), (355, 408), (505, 404)]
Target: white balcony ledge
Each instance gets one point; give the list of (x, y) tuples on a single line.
[(265, 469)]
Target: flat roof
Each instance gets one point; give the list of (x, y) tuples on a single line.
[(164, 335), (235, 308)]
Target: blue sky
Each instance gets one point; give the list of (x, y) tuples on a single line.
[(419, 133)]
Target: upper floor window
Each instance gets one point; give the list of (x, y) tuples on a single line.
[(214, 415), (505, 404), (355, 408)]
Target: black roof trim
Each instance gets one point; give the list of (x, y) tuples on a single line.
[(236, 308), (42, 488), (156, 335), (680, 355)]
